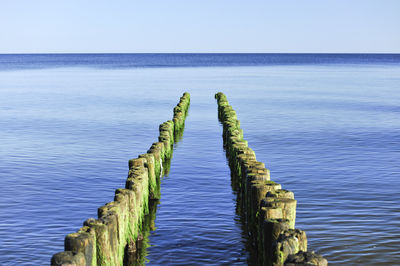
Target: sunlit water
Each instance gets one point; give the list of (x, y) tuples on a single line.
[(327, 130)]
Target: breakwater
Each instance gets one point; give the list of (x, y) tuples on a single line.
[(269, 211), (113, 238)]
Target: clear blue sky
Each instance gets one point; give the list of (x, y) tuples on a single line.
[(291, 26)]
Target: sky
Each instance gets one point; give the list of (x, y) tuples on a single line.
[(203, 26)]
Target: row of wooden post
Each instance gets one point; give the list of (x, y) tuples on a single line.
[(270, 211), (112, 238)]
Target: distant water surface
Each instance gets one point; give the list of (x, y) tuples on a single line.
[(327, 126), (113, 61)]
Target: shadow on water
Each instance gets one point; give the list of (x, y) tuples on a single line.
[(249, 242), (241, 216), (136, 252), (166, 166)]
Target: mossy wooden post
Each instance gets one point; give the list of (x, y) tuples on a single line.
[(167, 137), (83, 241), (154, 183), (103, 249), (289, 242), (283, 199), (157, 150), (68, 258), (180, 112), (306, 258), (270, 230), (127, 199)]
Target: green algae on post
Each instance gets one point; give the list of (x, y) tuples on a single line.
[(115, 237)]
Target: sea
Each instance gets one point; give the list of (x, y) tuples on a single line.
[(326, 125)]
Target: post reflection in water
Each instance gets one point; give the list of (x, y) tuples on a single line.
[(140, 256)]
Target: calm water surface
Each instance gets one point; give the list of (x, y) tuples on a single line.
[(327, 126)]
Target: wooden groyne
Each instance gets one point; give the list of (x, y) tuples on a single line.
[(113, 237), (269, 210)]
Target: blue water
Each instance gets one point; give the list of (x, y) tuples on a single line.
[(113, 61), (327, 126)]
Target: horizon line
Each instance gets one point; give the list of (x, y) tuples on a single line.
[(163, 53)]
